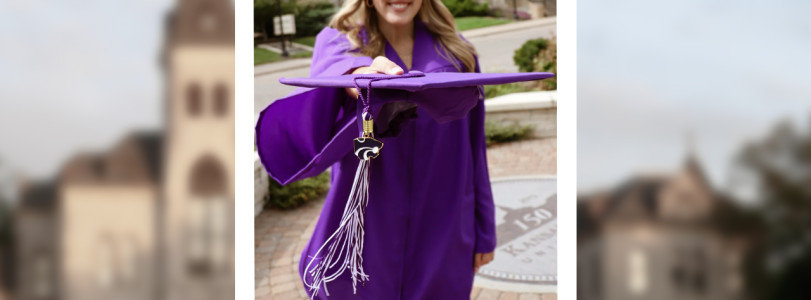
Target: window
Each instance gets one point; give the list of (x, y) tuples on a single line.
[(690, 270), (221, 98), (700, 275), (208, 219), (129, 260), (105, 276), (637, 272), (42, 274), (596, 274), (194, 103)]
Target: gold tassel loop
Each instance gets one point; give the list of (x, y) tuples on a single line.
[(368, 128)]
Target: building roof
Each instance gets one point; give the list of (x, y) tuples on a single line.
[(197, 22), (637, 198), (39, 195), (151, 145), (135, 159)]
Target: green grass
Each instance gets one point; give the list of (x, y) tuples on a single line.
[(467, 23), (307, 40), (262, 56), (302, 54)]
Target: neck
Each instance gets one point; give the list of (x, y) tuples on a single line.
[(396, 34)]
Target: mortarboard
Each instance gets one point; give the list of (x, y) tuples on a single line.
[(398, 95), (412, 85)]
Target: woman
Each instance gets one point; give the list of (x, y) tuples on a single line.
[(429, 224)]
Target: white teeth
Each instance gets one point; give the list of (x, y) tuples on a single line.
[(399, 5)]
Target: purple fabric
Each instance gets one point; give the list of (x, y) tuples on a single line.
[(417, 83), (430, 208), (424, 87)]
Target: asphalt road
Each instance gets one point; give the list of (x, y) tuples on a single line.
[(495, 56), (496, 51)]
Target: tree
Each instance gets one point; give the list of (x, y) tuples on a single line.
[(777, 170)]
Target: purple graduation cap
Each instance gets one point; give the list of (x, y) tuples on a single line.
[(416, 82), (386, 103)]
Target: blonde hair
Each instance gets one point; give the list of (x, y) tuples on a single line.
[(354, 15)]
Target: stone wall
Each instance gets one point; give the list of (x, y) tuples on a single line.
[(538, 109), (260, 185)]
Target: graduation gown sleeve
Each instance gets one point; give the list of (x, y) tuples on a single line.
[(301, 135), (485, 207)]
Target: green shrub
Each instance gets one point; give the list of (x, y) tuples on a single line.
[(492, 91), (525, 56), (310, 18), (465, 8), (496, 133), (539, 55), (297, 193)]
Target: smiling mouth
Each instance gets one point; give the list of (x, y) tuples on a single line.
[(399, 6)]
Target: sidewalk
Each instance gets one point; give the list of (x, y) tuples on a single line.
[(281, 66), (280, 236), (468, 34)]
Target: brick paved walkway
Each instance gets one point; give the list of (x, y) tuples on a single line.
[(280, 236)]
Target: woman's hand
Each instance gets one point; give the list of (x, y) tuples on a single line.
[(380, 65), (480, 259)]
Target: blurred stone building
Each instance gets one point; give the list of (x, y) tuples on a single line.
[(655, 237), (152, 218)]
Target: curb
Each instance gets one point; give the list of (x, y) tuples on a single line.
[(480, 32)]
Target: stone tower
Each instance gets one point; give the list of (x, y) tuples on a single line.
[(197, 206)]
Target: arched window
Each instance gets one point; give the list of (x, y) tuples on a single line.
[(194, 102), (637, 272), (207, 177), (129, 260), (106, 268), (208, 218), (221, 98), (42, 274)]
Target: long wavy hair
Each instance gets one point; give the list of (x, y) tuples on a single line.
[(355, 15)]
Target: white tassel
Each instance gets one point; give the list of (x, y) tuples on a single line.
[(345, 245)]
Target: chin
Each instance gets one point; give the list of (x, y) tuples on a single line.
[(398, 12), (399, 20)]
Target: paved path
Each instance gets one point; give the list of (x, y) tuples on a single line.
[(280, 236), (495, 44)]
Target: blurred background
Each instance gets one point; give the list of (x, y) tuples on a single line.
[(694, 150), (117, 152)]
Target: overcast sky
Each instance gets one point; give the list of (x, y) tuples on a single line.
[(650, 72), (76, 75), (80, 74)]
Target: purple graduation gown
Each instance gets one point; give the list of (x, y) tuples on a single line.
[(431, 206)]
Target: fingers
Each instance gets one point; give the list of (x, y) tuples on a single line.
[(352, 92), (383, 65), (477, 262), (487, 258), (480, 259), (380, 65)]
